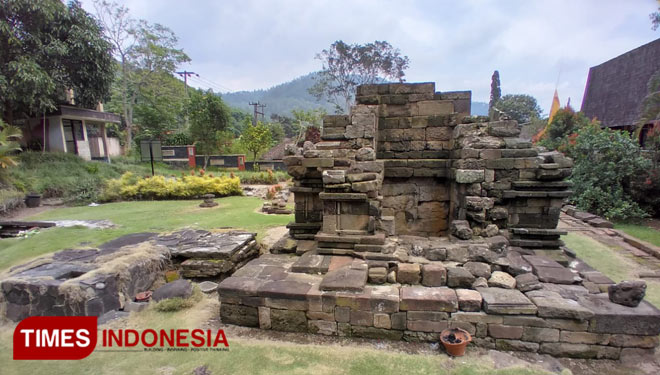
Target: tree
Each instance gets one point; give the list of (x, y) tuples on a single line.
[(256, 138), (495, 93), (565, 123), (655, 19), (159, 107), (344, 67), (48, 48), (307, 120), (606, 163), (143, 50), (208, 116), (522, 108), (651, 102)]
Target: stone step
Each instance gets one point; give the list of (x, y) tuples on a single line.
[(311, 263), (347, 278), (373, 239), (541, 185), (539, 232), (343, 196), (535, 243), (536, 194)]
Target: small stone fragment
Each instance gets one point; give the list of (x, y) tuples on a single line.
[(527, 282), (627, 293), (499, 279)]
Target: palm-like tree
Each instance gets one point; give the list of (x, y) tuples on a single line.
[(9, 136)]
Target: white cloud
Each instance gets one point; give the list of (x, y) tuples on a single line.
[(255, 44)]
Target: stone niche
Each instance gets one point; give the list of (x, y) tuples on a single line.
[(419, 205)]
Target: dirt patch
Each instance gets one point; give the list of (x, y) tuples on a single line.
[(25, 212)]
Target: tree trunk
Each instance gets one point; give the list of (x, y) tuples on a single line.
[(128, 115)]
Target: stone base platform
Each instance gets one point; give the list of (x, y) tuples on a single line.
[(330, 295), (83, 281), (210, 254)]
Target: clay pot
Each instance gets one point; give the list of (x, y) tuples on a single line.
[(456, 348), (143, 296)]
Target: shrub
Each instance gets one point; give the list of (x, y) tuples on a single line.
[(606, 163), (178, 303), (128, 186)]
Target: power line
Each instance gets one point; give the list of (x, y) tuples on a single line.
[(201, 83), (214, 83)]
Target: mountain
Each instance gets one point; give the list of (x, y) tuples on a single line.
[(281, 99), (479, 109)]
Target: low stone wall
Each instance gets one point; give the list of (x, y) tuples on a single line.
[(268, 294)]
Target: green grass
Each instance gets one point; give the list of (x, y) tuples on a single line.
[(251, 356), (616, 263), (134, 217), (642, 232)]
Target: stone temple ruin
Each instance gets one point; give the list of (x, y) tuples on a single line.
[(412, 217)]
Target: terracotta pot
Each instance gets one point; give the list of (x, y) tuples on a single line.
[(455, 349), (143, 296)]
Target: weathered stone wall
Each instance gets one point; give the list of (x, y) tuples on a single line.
[(570, 322), (409, 160)]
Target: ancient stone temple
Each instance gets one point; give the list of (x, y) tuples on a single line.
[(412, 216)]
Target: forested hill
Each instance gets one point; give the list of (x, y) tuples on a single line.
[(281, 99)]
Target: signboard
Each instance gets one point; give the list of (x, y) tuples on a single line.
[(151, 151), (217, 161)]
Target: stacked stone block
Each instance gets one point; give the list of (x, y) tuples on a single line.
[(266, 294)]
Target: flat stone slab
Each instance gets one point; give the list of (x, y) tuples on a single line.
[(311, 263), (506, 301), (419, 298), (345, 278), (613, 318), (205, 245), (552, 305), (573, 292), (541, 261), (284, 289), (556, 275)]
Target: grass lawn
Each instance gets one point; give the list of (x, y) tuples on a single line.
[(251, 356), (614, 262), (134, 217), (642, 232)]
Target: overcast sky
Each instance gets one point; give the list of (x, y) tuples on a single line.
[(254, 44)]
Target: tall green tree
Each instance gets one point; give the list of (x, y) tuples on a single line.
[(520, 107), (495, 93), (256, 138), (47, 47), (346, 66), (143, 50), (208, 116), (159, 107)]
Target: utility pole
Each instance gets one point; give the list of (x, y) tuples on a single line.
[(256, 106), (185, 75)]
